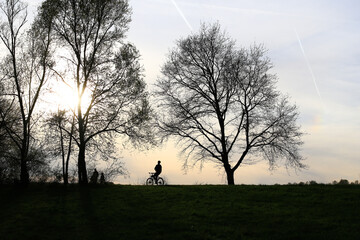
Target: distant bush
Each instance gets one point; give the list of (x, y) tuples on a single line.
[(312, 182), (343, 182)]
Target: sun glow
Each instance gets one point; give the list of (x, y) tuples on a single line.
[(66, 97)]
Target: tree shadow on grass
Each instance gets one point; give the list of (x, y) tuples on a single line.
[(88, 217)]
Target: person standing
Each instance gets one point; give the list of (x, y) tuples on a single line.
[(102, 178), (94, 177)]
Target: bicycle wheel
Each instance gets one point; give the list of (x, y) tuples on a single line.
[(149, 181), (160, 181)]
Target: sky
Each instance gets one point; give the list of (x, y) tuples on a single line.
[(314, 46)]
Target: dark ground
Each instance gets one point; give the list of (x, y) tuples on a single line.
[(180, 212)]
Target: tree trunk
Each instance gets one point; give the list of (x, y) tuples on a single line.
[(230, 177), (82, 146), (66, 175), (229, 174), (66, 172), (24, 175), (66, 181), (82, 165)]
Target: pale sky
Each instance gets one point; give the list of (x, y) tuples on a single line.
[(314, 46)]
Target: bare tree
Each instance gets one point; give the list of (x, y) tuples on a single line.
[(24, 72), (61, 135), (90, 35), (221, 104)]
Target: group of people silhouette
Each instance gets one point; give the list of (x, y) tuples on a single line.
[(95, 176)]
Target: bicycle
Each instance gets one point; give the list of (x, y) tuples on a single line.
[(152, 181)]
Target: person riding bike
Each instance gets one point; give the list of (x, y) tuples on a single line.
[(158, 169)]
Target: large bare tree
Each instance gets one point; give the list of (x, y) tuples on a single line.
[(98, 64), (24, 74), (221, 103)]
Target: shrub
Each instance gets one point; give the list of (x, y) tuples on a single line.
[(343, 182), (312, 182)]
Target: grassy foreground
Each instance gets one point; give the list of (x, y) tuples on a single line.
[(180, 212)]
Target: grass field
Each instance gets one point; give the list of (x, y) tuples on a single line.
[(180, 212)]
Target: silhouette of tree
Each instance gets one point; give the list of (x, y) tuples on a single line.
[(97, 62), (114, 169), (343, 182), (9, 168), (24, 73), (220, 102), (61, 137)]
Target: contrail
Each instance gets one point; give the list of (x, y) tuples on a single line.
[(308, 64), (182, 15)]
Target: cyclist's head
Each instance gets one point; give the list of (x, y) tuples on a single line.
[(159, 162)]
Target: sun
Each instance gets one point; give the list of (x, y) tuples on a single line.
[(64, 96)]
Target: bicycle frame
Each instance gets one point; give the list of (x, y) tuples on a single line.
[(152, 180)]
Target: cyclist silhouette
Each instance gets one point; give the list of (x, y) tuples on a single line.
[(158, 169)]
